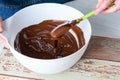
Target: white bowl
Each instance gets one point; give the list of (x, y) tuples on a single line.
[(35, 14)]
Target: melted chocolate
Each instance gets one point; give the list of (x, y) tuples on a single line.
[(35, 41)]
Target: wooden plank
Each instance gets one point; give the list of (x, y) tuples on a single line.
[(86, 68), (12, 77), (103, 48)]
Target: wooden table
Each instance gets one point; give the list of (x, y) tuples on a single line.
[(101, 61)]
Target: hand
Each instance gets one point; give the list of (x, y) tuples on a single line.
[(103, 6), (2, 39)]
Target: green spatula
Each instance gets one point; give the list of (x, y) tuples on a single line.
[(63, 28)]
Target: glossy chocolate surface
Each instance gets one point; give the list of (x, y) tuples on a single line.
[(35, 41)]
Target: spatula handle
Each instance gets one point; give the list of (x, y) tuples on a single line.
[(91, 13)]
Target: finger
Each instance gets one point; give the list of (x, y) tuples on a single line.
[(1, 27), (5, 44), (99, 3), (111, 9), (114, 8), (103, 6), (3, 41)]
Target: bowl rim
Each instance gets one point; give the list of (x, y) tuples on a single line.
[(86, 43)]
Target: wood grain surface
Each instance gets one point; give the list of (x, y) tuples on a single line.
[(103, 48), (100, 62)]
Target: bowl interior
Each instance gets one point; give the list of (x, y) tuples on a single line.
[(37, 13)]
